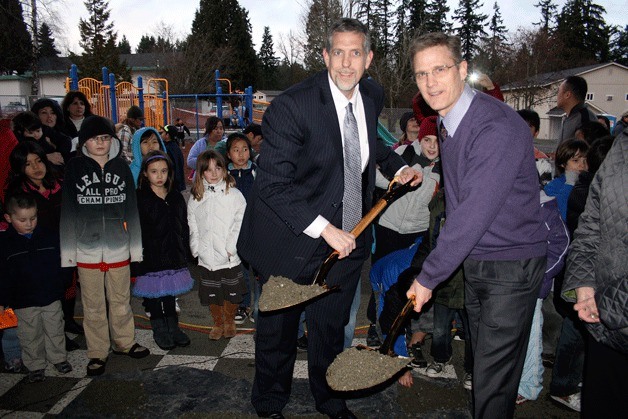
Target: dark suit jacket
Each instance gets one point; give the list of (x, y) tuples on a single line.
[(301, 175)]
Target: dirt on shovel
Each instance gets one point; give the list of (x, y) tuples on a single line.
[(362, 367), (357, 369), (281, 292)]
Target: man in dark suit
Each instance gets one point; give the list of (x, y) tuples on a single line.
[(295, 215)]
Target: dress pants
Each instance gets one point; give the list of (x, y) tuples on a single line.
[(500, 297), (275, 345)]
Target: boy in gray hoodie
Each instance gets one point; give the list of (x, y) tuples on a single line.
[(100, 234)]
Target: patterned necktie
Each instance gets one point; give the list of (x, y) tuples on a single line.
[(443, 132), (352, 197)]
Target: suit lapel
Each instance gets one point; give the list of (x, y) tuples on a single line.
[(329, 117), (370, 115)]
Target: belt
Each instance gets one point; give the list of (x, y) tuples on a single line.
[(103, 266)]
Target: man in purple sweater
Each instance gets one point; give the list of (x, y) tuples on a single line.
[(494, 225)]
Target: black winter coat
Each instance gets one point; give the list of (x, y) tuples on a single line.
[(30, 269), (165, 231)]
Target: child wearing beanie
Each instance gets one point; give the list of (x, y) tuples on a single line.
[(101, 235)]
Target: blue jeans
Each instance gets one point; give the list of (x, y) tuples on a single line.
[(569, 362), (531, 382), (11, 345), (441, 336)]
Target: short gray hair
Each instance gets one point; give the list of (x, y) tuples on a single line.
[(436, 39), (346, 24)]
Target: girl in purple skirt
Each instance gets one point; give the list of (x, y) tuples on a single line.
[(163, 273)]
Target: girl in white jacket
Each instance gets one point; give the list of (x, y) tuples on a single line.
[(215, 212)]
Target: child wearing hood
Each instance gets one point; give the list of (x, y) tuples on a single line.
[(144, 140), (100, 235)]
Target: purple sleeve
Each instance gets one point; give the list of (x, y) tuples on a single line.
[(557, 245)]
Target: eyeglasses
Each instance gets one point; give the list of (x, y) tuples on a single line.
[(437, 73), (100, 138)]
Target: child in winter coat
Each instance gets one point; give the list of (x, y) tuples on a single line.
[(240, 165), (215, 212), (101, 235), (571, 159), (32, 172), (28, 126), (163, 272), (243, 171), (144, 140), (32, 284)]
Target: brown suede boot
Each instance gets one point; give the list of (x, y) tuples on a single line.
[(217, 313), (230, 312)]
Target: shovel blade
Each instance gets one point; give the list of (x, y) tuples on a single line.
[(356, 369), (281, 293)]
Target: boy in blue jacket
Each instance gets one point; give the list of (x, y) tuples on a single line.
[(33, 286)]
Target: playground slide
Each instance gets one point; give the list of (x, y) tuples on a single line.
[(385, 135)]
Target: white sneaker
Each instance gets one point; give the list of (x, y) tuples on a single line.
[(467, 382), (435, 370), (572, 401)]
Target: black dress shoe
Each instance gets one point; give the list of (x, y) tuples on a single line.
[(272, 415), (345, 414)]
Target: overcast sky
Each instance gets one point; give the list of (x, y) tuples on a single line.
[(139, 17)]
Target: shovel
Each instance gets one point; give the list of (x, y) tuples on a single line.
[(361, 367), (280, 293)]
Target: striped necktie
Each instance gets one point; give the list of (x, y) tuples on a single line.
[(352, 197)]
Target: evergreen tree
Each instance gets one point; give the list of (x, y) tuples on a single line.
[(418, 16), (492, 56), (98, 41), (581, 27), (548, 14), (382, 38), (436, 17), (147, 44), (268, 62), (124, 47), (224, 24), (47, 46), (321, 15), (619, 46), (15, 41), (164, 45), (471, 29)]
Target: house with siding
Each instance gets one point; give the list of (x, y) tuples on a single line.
[(607, 94)]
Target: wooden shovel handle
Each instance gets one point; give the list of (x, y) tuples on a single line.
[(387, 346), (390, 195)]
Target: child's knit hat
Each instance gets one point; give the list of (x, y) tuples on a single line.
[(428, 127), (94, 126)]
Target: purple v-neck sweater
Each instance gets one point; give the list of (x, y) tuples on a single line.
[(491, 192)]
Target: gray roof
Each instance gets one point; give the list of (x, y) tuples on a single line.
[(547, 79)]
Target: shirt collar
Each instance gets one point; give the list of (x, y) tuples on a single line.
[(454, 116)]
